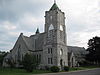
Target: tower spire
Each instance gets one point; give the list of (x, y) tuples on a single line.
[(54, 1), (54, 7)]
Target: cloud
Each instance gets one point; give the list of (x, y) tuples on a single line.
[(30, 22), (81, 38), (13, 9), (16, 16), (8, 26), (83, 21), (19, 16)]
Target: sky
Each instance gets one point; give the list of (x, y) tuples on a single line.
[(25, 16)]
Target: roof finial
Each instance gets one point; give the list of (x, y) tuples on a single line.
[(54, 1), (37, 31)]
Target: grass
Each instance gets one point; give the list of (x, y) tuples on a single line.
[(76, 68), (8, 71), (83, 68)]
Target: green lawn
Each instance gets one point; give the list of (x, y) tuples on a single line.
[(20, 72), (8, 71), (83, 68)]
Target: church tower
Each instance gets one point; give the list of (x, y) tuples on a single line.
[(55, 47)]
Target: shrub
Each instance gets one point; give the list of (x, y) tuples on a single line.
[(66, 68), (54, 69), (30, 62), (47, 68)]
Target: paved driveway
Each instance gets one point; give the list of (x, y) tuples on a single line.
[(85, 72)]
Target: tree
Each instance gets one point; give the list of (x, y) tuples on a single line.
[(1, 60), (30, 62), (94, 50), (2, 55), (54, 69)]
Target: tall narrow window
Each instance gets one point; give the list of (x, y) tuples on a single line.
[(39, 58), (51, 61), (48, 50), (48, 60), (51, 50), (22, 57)]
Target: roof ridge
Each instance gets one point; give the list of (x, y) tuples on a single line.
[(75, 46)]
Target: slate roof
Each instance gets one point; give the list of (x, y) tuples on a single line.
[(34, 42), (79, 52)]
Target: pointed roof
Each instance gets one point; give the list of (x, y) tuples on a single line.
[(37, 31), (54, 6)]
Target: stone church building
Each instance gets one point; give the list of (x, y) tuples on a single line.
[(50, 46)]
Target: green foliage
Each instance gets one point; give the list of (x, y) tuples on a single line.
[(47, 68), (1, 60), (2, 55), (30, 62), (54, 69), (66, 68), (94, 50), (76, 68), (15, 71)]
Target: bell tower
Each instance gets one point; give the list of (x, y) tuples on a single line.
[(55, 42), (55, 24)]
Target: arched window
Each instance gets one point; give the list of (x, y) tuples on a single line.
[(51, 17), (61, 27), (61, 52), (51, 27)]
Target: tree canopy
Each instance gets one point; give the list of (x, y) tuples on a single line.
[(94, 50), (2, 55)]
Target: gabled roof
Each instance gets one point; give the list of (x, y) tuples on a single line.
[(77, 51), (34, 42), (27, 41)]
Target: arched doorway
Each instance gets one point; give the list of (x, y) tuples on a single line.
[(61, 62), (72, 62)]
